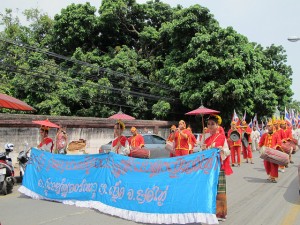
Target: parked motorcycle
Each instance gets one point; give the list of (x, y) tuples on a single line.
[(23, 158), (7, 179)]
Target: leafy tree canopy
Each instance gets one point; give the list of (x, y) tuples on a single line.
[(151, 59)]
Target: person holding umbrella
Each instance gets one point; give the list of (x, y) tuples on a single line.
[(46, 143), (120, 144)]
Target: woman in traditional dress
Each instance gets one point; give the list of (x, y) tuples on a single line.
[(217, 139), (120, 144), (46, 143), (181, 139), (61, 141)]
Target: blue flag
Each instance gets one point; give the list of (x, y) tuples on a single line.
[(170, 190)]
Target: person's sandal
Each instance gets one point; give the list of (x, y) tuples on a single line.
[(274, 181)]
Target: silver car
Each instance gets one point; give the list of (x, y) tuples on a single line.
[(153, 142)]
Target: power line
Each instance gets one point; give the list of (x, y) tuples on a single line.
[(23, 45), (13, 68)]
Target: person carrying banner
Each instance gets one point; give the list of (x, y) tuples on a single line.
[(218, 140), (170, 137), (235, 145), (61, 140), (246, 142), (46, 143), (181, 138), (120, 144), (271, 140)]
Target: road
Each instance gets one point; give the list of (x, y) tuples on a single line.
[(251, 200)]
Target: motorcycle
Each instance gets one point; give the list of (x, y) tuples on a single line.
[(7, 179), (23, 158)]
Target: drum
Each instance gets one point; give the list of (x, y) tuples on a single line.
[(288, 147), (295, 147), (274, 156), (235, 136), (141, 153), (245, 139), (299, 177), (170, 147)]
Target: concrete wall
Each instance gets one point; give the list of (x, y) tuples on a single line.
[(19, 129)]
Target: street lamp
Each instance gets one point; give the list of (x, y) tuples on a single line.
[(294, 38)]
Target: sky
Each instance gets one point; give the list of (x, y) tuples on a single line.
[(265, 22)]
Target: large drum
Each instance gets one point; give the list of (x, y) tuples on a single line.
[(299, 177), (288, 147), (295, 147), (170, 147), (274, 156), (141, 153)]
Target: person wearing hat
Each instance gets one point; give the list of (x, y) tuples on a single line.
[(120, 144), (271, 140), (281, 135), (235, 145), (181, 138), (46, 143), (287, 136), (136, 140), (171, 137), (218, 140), (246, 134)]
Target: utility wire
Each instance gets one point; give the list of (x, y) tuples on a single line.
[(23, 45)]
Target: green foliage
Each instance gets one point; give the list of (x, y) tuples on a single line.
[(152, 59), (161, 109)]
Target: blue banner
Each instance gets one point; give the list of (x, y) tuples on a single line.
[(165, 190)]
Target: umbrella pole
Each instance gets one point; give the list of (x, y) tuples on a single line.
[(203, 131)]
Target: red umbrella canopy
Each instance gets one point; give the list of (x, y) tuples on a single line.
[(201, 111), (121, 116), (10, 102), (45, 123)]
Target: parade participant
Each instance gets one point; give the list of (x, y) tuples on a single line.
[(296, 134), (255, 136), (192, 140), (246, 138), (46, 143), (281, 135), (170, 137), (218, 140), (235, 146), (271, 140), (61, 140), (136, 140), (286, 137), (276, 128), (181, 138), (120, 144)]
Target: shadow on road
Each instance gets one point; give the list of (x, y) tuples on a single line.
[(255, 180), (292, 194)]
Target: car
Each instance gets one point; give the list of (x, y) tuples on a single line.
[(155, 143)]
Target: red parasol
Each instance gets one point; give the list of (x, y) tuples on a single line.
[(202, 111), (121, 116), (46, 123), (10, 102)]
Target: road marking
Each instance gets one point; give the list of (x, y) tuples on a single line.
[(292, 215)]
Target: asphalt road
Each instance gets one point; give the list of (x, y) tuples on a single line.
[(251, 201)]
